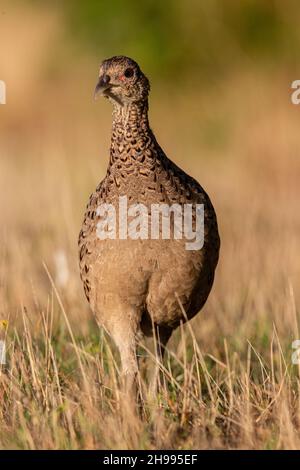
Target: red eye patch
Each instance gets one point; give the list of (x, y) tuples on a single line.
[(122, 78)]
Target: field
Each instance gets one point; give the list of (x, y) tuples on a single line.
[(228, 379)]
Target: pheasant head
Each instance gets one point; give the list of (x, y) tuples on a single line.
[(122, 81)]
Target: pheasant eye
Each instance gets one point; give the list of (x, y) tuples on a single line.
[(129, 72)]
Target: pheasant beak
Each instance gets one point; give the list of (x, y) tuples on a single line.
[(102, 86)]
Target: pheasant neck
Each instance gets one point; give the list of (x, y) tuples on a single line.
[(131, 134)]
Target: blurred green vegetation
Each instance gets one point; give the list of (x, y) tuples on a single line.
[(186, 37)]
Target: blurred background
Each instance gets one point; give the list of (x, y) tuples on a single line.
[(220, 106)]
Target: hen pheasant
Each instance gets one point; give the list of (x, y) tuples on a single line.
[(142, 285)]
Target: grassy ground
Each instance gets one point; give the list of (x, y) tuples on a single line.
[(229, 381)]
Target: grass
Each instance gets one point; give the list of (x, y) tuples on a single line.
[(228, 379), (60, 391)]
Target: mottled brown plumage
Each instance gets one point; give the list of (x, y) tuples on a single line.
[(133, 285)]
